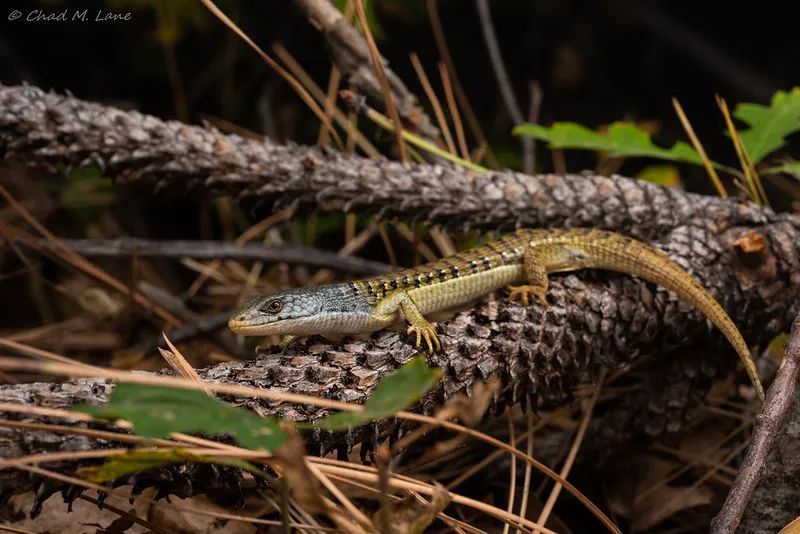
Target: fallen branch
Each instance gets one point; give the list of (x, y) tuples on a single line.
[(350, 53), (220, 250), (48, 130), (769, 427)]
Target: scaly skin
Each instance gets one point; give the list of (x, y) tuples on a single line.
[(526, 257)]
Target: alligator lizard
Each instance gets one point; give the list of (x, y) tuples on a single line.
[(524, 257)]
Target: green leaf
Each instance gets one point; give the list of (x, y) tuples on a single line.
[(157, 411), (623, 140), (120, 465), (394, 393), (769, 126)]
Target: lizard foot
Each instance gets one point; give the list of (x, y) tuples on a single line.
[(426, 331), (524, 291)]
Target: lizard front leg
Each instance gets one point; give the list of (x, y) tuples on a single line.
[(399, 300), (536, 275)]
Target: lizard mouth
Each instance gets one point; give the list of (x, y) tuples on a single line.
[(296, 326), (247, 328)]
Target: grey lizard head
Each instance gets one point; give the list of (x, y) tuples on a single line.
[(301, 311)]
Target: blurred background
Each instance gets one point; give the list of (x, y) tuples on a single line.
[(596, 62)]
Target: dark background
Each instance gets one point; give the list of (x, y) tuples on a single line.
[(596, 62)]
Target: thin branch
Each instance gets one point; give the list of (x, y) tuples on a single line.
[(503, 82), (767, 429), (351, 55), (124, 247), (496, 59)]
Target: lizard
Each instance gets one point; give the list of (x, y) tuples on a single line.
[(520, 261)]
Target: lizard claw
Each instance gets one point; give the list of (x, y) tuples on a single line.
[(522, 292), (428, 333)]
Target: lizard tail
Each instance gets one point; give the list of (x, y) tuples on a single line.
[(665, 272)]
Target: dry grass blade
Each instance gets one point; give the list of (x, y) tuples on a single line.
[(454, 114), (348, 505), (87, 432), (526, 483), (380, 73), (293, 83), (687, 126), (512, 469), (41, 411), (387, 244), (261, 226), (573, 452), (176, 360), (469, 113), (409, 235), (9, 528), (692, 463), (402, 483), (333, 85), (330, 101), (123, 513), (754, 184), (382, 121), (40, 354), (435, 104), (443, 241), (353, 245)]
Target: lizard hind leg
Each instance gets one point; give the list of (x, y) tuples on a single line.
[(417, 323), (536, 276), (420, 326)]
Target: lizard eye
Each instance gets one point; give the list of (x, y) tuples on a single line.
[(273, 306)]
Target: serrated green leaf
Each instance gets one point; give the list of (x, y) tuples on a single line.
[(120, 465), (624, 139), (769, 125), (157, 411), (394, 393)]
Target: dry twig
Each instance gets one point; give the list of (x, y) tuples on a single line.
[(767, 429)]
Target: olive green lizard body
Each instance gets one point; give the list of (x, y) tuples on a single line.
[(524, 257)]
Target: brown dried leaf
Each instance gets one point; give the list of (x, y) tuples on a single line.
[(470, 409), (303, 485), (656, 506), (412, 516)]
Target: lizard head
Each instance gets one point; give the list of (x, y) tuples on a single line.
[(295, 311), (332, 308)]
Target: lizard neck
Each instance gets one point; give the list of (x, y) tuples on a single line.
[(343, 311)]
